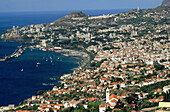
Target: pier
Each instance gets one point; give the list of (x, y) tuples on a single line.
[(17, 53)]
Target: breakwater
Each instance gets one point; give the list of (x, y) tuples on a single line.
[(17, 53)]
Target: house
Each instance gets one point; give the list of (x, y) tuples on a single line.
[(161, 98), (111, 100), (55, 109), (55, 88), (75, 104), (114, 85), (34, 97), (133, 82), (123, 96), (158, 91), (103, 79), (102, 108), (123, 85), (58, 106)]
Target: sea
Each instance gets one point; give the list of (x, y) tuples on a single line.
[(34, 70)]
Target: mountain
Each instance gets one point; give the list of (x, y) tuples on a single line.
[(166, 3), (71, 15)]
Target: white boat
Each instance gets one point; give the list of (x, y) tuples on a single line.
[(44, 50), (38, 63), (22, 70)]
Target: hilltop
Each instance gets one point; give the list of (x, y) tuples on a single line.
[(71, 15)]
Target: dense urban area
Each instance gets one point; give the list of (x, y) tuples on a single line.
[(125, 68)]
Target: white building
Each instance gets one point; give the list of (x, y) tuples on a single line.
[(107, 95), (166, 88), (102, 108), (111, 100)]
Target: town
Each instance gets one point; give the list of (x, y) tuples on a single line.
[(127, 70)]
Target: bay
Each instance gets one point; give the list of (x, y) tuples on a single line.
[(20, 78)]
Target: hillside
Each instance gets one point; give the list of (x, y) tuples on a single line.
[(166, 3), (71, 15)]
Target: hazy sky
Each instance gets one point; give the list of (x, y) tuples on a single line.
[(53, 5)]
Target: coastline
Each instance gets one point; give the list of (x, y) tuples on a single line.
[(57, 80), (64, 52)]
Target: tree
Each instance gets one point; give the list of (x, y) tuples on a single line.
[(167, 96), (132, 99), (119, 66), (40, 92), (21, 103), (109, 109), (50, 110), (70, 109), (80, 108), (126, 109), (159, 67), (94, 106)]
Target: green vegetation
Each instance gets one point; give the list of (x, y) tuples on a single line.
[(150, 88), (159, 67), (97, 64), (147, 104), (40, 92)]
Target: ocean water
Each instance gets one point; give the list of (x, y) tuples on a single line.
[(17, 85)]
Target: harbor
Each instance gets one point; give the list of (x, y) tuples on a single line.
[(21, 72)]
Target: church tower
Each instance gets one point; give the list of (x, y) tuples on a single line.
[(107, 95)]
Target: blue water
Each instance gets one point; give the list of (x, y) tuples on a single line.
[(15, 85)]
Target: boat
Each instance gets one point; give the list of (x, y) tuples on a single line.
[(22, 70), (38, 63), (51, 59), (44, 50)]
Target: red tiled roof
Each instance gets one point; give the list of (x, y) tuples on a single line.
[(113, 96), (113, 100), (101, 105)]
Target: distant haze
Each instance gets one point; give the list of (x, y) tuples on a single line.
[(166, 3), (54, 5)]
